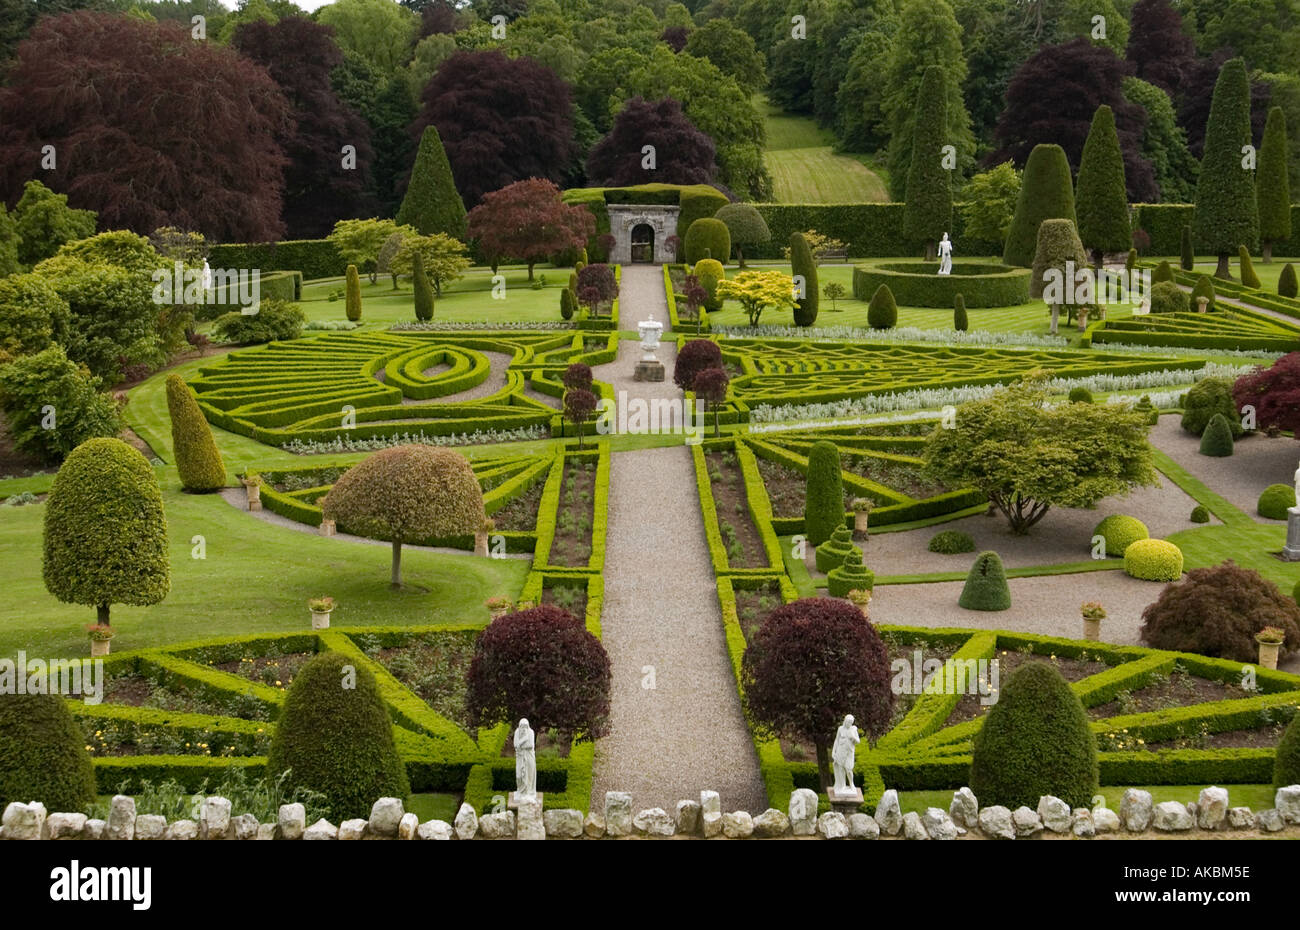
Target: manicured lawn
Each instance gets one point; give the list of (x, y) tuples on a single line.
[(255, 577), (1268, 274), (433, 806), (805, 168)]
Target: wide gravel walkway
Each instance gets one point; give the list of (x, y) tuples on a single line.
[(661, 617)]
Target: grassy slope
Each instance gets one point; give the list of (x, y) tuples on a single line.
[(805, 168)]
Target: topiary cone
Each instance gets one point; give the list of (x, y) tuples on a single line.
[(198, 460), (986, 585), (1248, 276), (882, 310), (1217, 438), (1287, 284), (853, 575)]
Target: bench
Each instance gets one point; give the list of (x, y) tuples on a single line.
[(837, 254)]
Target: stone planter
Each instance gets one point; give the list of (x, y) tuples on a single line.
[(498, 611), (1268, 653), (320, 619), (1202, 304), (860, 520), (328, 528), (100, 647), (254, 492), (1092, 630)]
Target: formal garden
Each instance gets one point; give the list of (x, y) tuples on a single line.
[(660, 421)]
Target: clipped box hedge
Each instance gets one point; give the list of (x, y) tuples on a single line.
[(919, 284)]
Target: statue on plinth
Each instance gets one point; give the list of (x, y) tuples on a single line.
[(843, 755), (945, 255), (525, 760)]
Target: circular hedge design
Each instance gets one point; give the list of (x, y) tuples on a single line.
[(918, 284)]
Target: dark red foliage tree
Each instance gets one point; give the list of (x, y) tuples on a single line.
[(1217, 611), (597, 285), (695, 294), (1157, 45), (318, 189), (150, 127), (579, 407), (710, 386), (1274, 392), (675, 37), (501, 120), (695, 356), (577, 375), (541, 664), (526, 221), (1053, 97), (682, 154), (1198, 90), (810, 663)]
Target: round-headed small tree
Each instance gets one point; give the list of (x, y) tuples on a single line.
[(695, 356), (1059, 253), (1035, 741), (710, 386), (407, 494), (334, 736), (1046, 192), (105, 531), (1274, 392), (810, 663), (43, 754), (542, 664), (198, 460), (597, 285), (824, 495), (746, 226), (1216, 611), (579, 407), (802, 263), (577, 375)]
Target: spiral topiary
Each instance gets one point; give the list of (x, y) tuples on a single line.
[(853, 575), (1120, 531), (1276, 500), (831, 553), (986, 585), (1153, 560)]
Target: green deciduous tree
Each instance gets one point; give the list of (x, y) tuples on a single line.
[(1227, 214), (990, 203), (444, 258), (45, 222), (32, 315), (757, 290), (1164, 142), (359, 242), (53, 405), (927, 214), (380, 31), (1272, 186)]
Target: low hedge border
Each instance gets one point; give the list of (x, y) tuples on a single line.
[(918, 285), (675, 323)]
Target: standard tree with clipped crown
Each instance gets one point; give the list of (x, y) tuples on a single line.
[(334, 736), (803, 263), (831, 553), (432, 204), (1035, 741), (986, 585), (882, 310), (853, 575), (1272, 185), (43, 754), (1216, 441), (927, 210), (1227, 213), (745, 225), (1187, 256), (105, 530), (960, 321), (1099, 198), (824, 494), (423, 289), (1248, 276), (352, 292), (1046, 192), (198, 460), (1287, 284)]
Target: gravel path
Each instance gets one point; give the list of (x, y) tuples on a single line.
[(687, 733)]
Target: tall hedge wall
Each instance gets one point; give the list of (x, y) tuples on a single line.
[(315, 258)]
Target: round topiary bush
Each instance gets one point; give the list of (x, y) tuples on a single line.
[(198, 460), (1080, 395), (1287, 283), (1217, 611), (831, 553), (824, 493), (710, 266), (1286, 767), (1276, 500), (1036, 741), (1154, 560), (1206, 398), (1163, 274), (695, 356), (43, 754), (1217, 439), (334, 736), (1120, 531), (707, 238), (853, 575), (1200, 514), (986, 585), (882, 312), (951, 542), (1167, 297)]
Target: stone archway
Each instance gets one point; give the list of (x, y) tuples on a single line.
[(643, 243), (647, 225)]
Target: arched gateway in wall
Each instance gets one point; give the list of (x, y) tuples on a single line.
[(640, 232)]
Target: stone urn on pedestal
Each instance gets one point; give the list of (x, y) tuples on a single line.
[(1093, 614), (253, 488), (1270, 641), (649, 368), (321, 608)]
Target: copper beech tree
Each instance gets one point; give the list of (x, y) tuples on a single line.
[(526, 221)]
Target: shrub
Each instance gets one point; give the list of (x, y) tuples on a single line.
[(568, 307), (1080, 395), (1276, 500), (1206, 398), (423, 290), (1217, 439), (882, 312), (803, 263), (407, 494), (32, 315), (337, 740), (710, 266), (960, 321), (1286, 767), (824, 497), (1167, 297), (1036, 741), (198, 460), (1204, 287), (1216, 611), (1287, 285), (853, 575), (823, 640), (48, 378), (707, 238), (986, 585), (745, 226), (1046, 192), (1163, 274), (1200, 514), (831, 553), (1187, 260), (1248, 276), (695, 356), (352, 288), (544, 665), (43, 754), (274, 320), (952, 542), (1120, 531), (1130, 261), (1154, 560), (105, 531)]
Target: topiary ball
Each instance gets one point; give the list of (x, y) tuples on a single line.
[(334, 736), (1217, 439), (951, 542), (43, 754), (1120, 531), (1035, 741), (707, 238), (1200, 514), (882, 310), (1167, 297), (710, 266), (1286, 767), (1154, 560), (986, 585), (1080, 395), (1276, 500)]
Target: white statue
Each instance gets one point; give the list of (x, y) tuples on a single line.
[(945, 255), (1297, 488), (843, 755), (525, 761), (207, 277)]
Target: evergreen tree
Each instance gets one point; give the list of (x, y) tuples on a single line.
[(960, 321), (803, 263), (1188, 258), (927, 215), (824, 494), (432, 204), (423, 291), (1227, 215), (1100, 200), (1272, 187), (198, 460), (1046, 192), (352, 294)]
